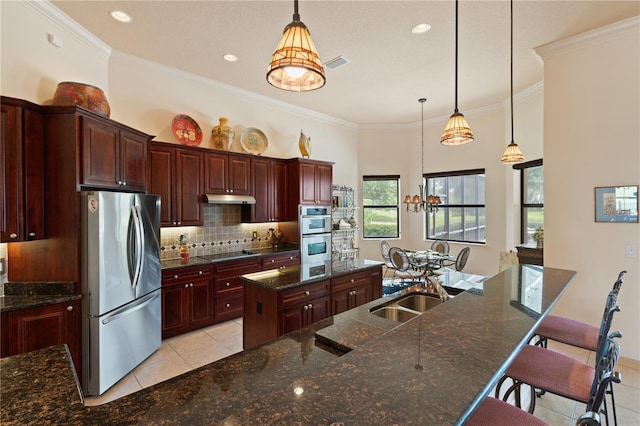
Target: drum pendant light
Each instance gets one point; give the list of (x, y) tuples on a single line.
[(512, 154), (295, 65), (457, 131)]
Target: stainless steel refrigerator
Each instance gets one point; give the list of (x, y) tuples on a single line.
[(120, 285)]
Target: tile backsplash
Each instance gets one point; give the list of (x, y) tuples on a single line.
[(222, 233)]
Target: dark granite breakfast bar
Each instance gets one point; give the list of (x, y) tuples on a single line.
[(433, 369)]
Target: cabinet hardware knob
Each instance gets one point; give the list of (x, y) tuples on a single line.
[(306, 307), (228, 284), (306, 293), (13, 235), (186, 286), (228, 305), (32, 234), (118, 182), (272, 260), (175, 277), (174, 222), (231, 190), (124, 183), (200, 272), (190, 284), (179, 223), (69, 308), (352, 280), (310, 305)]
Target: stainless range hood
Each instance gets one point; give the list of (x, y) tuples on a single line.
[(229, 199)]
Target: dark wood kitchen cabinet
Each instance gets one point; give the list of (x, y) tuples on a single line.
[(27, 330), (109, 154), (21, 168), (270, 313), (227, 174), (176, 175), (350, 291), (277, 261), (187, 299), (229, 288), (310, 182), (269, 187)]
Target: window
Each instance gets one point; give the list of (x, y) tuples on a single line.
[(531, 198), (461, 216), (380, 206)]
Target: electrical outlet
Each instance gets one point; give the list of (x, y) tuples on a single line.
[(632, 250), (255, 235), (2, 266)]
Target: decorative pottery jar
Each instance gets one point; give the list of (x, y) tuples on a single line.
[(90, 97), (222, 135)]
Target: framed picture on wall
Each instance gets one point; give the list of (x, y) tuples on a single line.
[(617, 204)]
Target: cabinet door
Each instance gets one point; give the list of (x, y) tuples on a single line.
[(175, 309), (261, 211), (33, 175), (37, 328), (100, 154), (308, 183), (324, 184), (360, 295), (291, 319), (11, 185), (188, 188), (279, 196), (340, 301), (133, 161), (215, 173), (201, 302), (319, 309), (161, 182), (239, 175), (376, 284)]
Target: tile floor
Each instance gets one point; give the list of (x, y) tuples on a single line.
[(180, 354)]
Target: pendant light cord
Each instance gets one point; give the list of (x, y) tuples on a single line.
[(456, 90), (296, 15), (422, 101), (512, 139)]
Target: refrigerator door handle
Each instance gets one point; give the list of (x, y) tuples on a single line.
[(135, 246), (128, 310)]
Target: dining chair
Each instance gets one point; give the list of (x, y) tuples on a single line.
[(384, 250), (461, 259), (440, 246), (403, 267)]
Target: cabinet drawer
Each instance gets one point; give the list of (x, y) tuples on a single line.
[(350, 281), (170, 276), (303, 293), (230, 306), (236, 268), (280, 260), (226, 285)]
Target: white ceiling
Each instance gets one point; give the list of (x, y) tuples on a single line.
[(389, 67)]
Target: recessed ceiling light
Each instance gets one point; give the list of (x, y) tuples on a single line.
[(121, 16), (230, 57), (421, 28)]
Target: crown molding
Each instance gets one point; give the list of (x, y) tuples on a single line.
[(237, 92), (59, 18), (578, 41)]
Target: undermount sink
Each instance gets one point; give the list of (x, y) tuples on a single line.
[(419, 302), (406, 307), (395, 314)]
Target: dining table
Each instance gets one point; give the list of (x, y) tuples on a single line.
[(429, 260)]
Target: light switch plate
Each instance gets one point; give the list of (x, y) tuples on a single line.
[(255, 235)]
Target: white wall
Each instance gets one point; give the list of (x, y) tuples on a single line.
[(592, 138)]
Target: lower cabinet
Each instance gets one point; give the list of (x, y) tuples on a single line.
[(302, 306), (187, 299), (229, 294), (350, 291), (27, 330), (277, 261)]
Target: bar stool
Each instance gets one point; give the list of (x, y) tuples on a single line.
[(495, 412)]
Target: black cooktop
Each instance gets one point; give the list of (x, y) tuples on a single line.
[(227, 256)]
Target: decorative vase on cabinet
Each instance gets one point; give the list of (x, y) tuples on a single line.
[(222, 135)]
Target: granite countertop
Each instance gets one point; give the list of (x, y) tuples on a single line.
[(295, 276), (33, 294), (223, 257), (461, 348)]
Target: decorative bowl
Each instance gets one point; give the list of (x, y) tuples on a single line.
[(84, 95)]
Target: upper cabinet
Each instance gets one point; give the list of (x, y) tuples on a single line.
[(310, 182), (269, 187), (175, 174), (21, 167), (227, 174), (110, 155)]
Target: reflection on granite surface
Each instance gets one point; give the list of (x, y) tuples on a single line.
[(19, 295), (463, 345)]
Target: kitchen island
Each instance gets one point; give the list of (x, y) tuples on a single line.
[(462, 346)]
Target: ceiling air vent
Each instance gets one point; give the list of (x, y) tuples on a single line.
[(336, 62)]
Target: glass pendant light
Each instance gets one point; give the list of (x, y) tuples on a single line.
[(295, 65), (457, 131), (512, 154)]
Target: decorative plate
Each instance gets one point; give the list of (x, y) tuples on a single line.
[(253, 141), (186, 130)]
